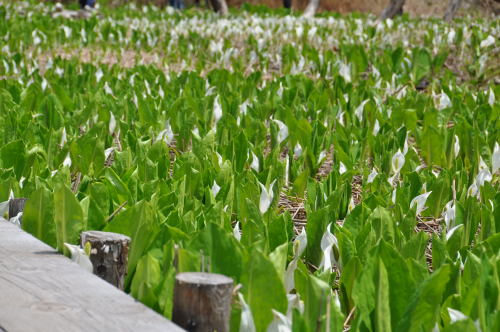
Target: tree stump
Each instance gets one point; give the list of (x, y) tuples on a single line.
[(108, 254), (311, 8), (16, 205), (202, 301), (394, 8), (452, 9), (219, 6)]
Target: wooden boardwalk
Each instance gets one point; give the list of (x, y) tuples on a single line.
[(41, 290)]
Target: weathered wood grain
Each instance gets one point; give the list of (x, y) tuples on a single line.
[(109, 255), (41, 290), (16, 205), (202, 301)]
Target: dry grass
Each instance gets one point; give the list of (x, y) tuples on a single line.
[(430, 226), (295, 206)]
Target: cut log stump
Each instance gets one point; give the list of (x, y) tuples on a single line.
[(108, 254), (202, 301), (16, 205)]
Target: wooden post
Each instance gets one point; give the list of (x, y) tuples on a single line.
[(16, 205), (202, 301), (108, 254)]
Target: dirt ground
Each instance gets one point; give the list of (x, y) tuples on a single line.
[(420, 8)]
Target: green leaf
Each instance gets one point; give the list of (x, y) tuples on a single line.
[(259, 278), (278, 257), (68, 217), (188, 261), (224, 251), (382, 309), (422, 311), (146, 280), (401, 282), (315, 293), (38, 216), (422, 63), (13, 155)]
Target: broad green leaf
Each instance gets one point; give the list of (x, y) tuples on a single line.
[(259, 277), (38, 216), (68, 217), (146, 280), (423, 307)]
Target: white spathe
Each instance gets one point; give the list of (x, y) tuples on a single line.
[(444, 101), (450, 233), (79, 256), (217, 110), (283, 131), (491, 97), (107, 89), (16, 220), (495, 158), (321, 156), (237, 231), (456, 146), (108, 151), (490, 40), (360, 109), (215, 189), (64, 137), (266, 197), (67, 161), (372, 176), (98, 75), (328, 242), (280, 323), (342, 168), (449, 214), (376, 128), (255, 165), (297, 150), (345, 72), (456, 315), (246, 321), (167, 135), (299, 246), (419, 201), (112, 123), (398, 161)]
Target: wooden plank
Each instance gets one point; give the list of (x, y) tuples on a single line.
[(41, 290)]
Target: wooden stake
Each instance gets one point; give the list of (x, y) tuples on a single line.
[(202, 301), (16, 205), (108, 254)]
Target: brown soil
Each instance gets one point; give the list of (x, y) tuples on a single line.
[(420, 8)]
